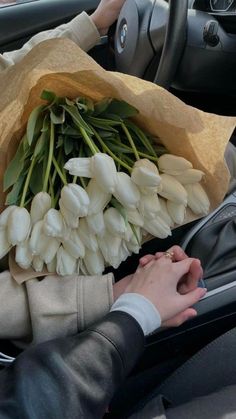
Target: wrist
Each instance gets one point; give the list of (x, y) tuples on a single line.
[(97, 22)]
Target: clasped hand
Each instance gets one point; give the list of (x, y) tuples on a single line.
[(170, 284)]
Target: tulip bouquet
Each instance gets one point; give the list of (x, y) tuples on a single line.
[(86, 186)]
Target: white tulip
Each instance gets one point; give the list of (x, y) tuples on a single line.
[(149, 190), (96, 223), (173, 190), (87, 237), (145, 174), (176, 211), (54, 224), (98, 197), (52, 266), (198, 200), (94, 262), (18, 226), (164, 214), (80, 166), (71, 220), (124, 252), (134, 217), (157, 227), (75, 199), (40, 205), (126, 191), (190, 176), (38, 264), (173, 165), (104, 171), (114, 222), (49, 249), (110, 248), (5, 246), (23, 255), (74, 245), (66, 264), (36, 238), (134, 239), (149, 206), (5, 215)]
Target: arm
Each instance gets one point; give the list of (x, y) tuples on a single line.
[(72, 377), (53, 307), (83, 30)]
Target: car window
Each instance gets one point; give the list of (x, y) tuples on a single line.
[(4, 3)]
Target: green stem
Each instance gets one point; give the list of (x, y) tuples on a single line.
[(50, 157), (63, 179), (82, 182), (51, 192), (107, 149), (74, 179), (130, 139), (26, 185), (147, 156), (94, 149)]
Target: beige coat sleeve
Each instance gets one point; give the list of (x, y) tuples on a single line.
[(81, 30), (53, 307)]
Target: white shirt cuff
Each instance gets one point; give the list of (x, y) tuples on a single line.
[(141, 309)]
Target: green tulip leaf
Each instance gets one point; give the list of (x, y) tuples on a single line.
[(121, 109), (77, 118), (36, 180), (15, 168), (32, 126), (13, 198)]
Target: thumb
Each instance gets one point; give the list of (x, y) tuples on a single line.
[(193, 297)]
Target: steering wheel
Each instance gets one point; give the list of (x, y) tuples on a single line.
[(151, 31)]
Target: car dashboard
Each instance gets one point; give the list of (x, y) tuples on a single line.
[(214, 6)]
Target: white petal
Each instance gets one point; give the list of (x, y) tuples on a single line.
[(173, 165), (198, 200), (96, 223), (75, 199), (53, 224), (5, 215), (114, 222), (88, 238), (74, 245), (104, 171), (145, 174), (40, 205), (5, 246), (94, 262), (98, 197), (176, 211), (38, 264), (23, 256), (71, 220), (173, 190), (126, 192), (80, 166), (19, 226), (66, 264)]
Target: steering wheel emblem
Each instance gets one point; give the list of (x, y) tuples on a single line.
[(123, 34)]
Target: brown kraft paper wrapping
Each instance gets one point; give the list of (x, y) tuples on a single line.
[(61, 66)]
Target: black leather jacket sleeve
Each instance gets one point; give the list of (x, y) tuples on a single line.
[(73, 377)]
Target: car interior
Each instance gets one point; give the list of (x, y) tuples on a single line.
[(188, 47)]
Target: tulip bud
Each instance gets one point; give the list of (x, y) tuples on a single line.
[(190, 176), (35, 240), (173, 190), (96, 223), (86, 236), (40, 205), (133, 239), (23, 255), (94, 262), (149, 206), (52, 266), (74, 245), (157, 227), (149, 190), (5, 215), (134, 217), (126, 192), (197, 199), (124, 252), (66, 264), (173, 165), (114, 222), (98, 197), (38, 264), (53, 224), (5, 246), (176, 211), (164, 213), (110, 248), (104, 171), (145, 174), (19, 225), (80, 166), (49, 249), (75, 199), (71, 220)]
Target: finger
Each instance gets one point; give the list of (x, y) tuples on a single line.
[(190, 281), (192, 297), (145, 260), (180, 318), (182, 268)]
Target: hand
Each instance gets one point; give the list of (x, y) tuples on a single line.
[(158, 282), (106, 14), (188, 283), (120, 286)]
